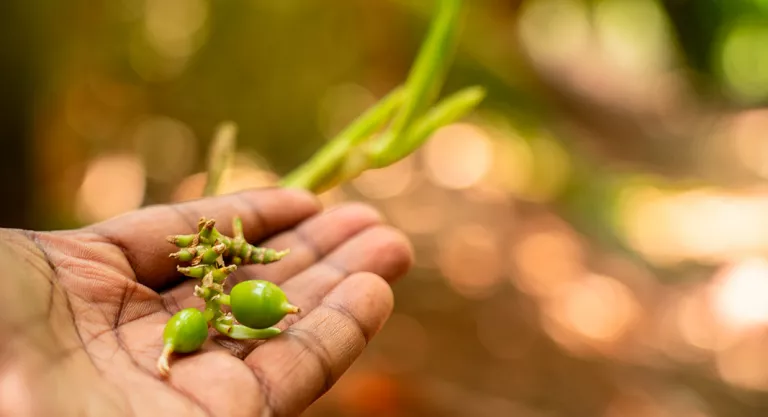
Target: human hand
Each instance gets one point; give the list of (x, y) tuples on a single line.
[(82, 312)]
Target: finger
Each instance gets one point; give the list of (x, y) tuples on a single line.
[(297, 367), (380, 250), (141, 234), (310, 241)]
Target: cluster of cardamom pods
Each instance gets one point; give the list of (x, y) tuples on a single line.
[(256, 305)]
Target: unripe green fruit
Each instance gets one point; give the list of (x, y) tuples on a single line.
[(186, 331), (197, 271), (220, 274), (184, 255), (182, 241), (209, 257), (259, 304)]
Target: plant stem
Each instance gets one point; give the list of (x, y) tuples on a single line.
[(240, 332), (220, 156), (163, 364), (425, 79), (445, 112), (325, 162), (347, 155), (224, 299)]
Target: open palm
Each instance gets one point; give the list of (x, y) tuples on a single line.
[(82, 312)]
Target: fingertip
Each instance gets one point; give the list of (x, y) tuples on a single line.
[(394, 249), (301, 202), (360, 211), (307, 197), (368, 297), (353, 216), (403, 249)]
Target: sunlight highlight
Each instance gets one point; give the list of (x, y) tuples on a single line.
[(741, 294), (112, 185), (457, 156), (469, 259)]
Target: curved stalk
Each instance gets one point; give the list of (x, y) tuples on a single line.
[(325, 162), (220, 156), (445, 112), (240, 332), (425, 79)]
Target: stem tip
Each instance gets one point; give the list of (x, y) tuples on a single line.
[(163, 365)]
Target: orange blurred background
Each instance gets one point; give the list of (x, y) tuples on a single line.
[(592, 241)]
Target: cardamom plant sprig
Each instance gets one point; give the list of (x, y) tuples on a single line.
[(211, 257), (208, 244), (400, 122)]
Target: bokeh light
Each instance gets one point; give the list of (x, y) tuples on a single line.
[(748, 134), (386, 182), (171, 25), (597, 308), (172, 32), (554, 31), (190, 188), (546, 259), (697, 321), (702, 225), (741, 294), (511, 171), (634, 34), (112, 185), (458, 156), (743, 364), (416, 218), (469, 259), (743, 59), (247, 172), (168, 148)]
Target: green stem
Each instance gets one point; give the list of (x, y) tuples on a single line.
[(311, 174), (345, 157), (220, 156), (212, 311), (163, 362), (445, 112), (237, 227), (426, 77), (240, 332), (224, 299)]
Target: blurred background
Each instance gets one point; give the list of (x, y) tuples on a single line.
[(591, 242)]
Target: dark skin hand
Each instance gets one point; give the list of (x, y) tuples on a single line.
[(82, 312)]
